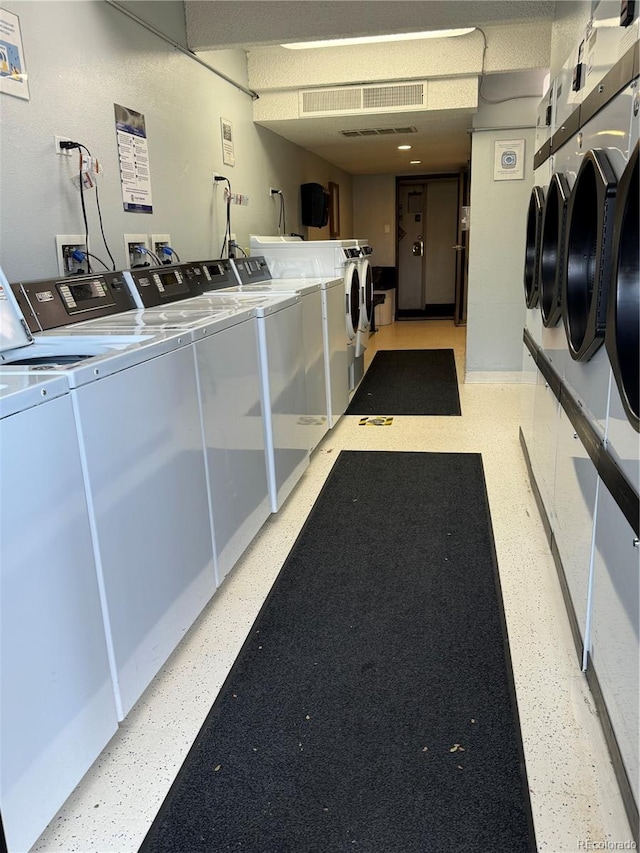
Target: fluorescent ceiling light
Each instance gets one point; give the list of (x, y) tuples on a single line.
[(428, 34), (404, 147), (414, 162)]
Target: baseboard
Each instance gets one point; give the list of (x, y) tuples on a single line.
[(493, 377)]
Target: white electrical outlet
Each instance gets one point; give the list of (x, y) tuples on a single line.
[(157, 242), (66, 244), (66, 152), (135, 251)]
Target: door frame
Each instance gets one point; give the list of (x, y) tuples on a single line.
[(462, 176)]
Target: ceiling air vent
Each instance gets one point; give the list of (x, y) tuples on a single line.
[(378, 131), (366, 99)]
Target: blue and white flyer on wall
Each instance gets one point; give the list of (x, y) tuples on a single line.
[(133, 154), (13, 73)]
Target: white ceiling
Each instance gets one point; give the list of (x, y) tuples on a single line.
[(442, 140)]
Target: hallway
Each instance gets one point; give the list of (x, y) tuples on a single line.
[(573, 789)]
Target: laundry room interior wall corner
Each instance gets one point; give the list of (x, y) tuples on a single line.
[(495, 309)]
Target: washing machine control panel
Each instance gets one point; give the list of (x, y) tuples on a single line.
[(160, 285), (210, 275), (252, 269), (51, 303), (351, 253)]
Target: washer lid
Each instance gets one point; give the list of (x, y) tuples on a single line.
[(14, 331), (22, 391)]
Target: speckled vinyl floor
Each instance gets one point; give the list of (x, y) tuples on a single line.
[(573, 789)]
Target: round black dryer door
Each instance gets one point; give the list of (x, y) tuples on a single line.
[(368, 294), (352, 281), (554, 220), (623, 315), (587, 256), (532, 249)]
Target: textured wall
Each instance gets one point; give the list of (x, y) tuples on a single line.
[(74, 83)]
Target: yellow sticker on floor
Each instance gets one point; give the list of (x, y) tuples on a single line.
[(377, 421)]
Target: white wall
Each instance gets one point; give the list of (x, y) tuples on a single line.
[(496, 307), (99, 57), (374, 210)]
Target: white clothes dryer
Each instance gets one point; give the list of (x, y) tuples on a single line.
[(136, 406), (57, 707), (291, 257), (365, 275)]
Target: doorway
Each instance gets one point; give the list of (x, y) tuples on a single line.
[(431, 247)]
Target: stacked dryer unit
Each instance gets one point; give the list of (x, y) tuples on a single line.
[(589, 291), (291, 257), (539, 404)]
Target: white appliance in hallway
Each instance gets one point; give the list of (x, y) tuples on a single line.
[(254, 277), (137, 412), (323, 335), (225, 348), (280, 367), (57, 707), (291, 257), (365, 275)]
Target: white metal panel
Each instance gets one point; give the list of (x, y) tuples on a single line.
[(623, 442), (315, 381), (282, 373), (228, 379), (545, 442), (336, 369), (575, 487), (527, 397), (615, 626), (145, 469), (57, 704)]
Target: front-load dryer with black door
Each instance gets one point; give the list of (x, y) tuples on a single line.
[(366, 298), (554, 223), (588, 256), (623, 327), (532, 247)]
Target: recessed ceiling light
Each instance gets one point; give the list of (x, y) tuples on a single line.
[(403, 147), (428, 34), (414, 162)]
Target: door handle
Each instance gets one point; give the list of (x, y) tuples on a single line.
[(458, 247), (417, 250)]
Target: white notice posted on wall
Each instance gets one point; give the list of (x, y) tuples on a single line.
[(508, 162), (133, 154)]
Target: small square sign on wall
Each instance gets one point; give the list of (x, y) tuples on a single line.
[(508, 160)]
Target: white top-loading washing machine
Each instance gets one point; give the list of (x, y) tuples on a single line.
[(291, 257), (57, 707), (323, 334), (225, 346), (280, 367), (136, 406)]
